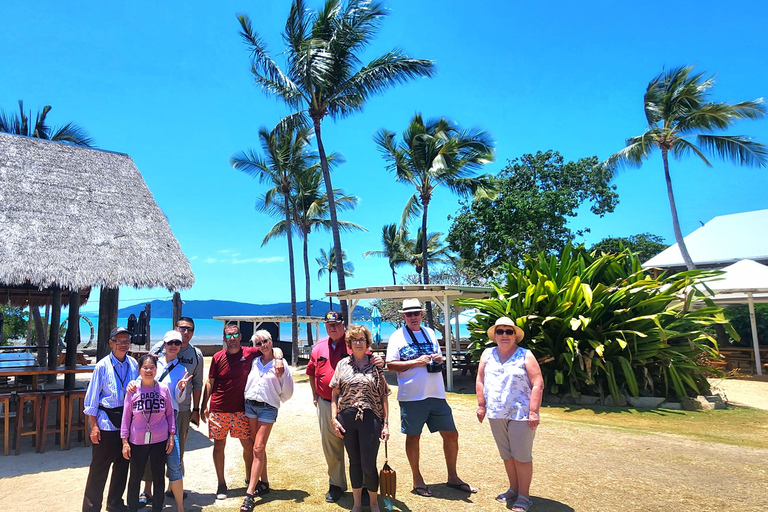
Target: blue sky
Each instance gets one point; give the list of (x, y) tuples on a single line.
[(168, 83)]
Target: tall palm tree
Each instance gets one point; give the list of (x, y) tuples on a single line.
[(324, 76), (18, 124), (327, 262), (392, 240), (434, 154), (677, 109), (310, 212), (286, 153)]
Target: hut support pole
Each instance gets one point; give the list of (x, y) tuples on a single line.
[(176, 308), (54, 335), (73, 336), (107, 319)]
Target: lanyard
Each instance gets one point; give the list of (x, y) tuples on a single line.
[(147, 418), (427, 341), (122, 379)]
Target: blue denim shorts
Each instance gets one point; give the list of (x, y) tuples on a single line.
[(262, 411), (174, 461), (435, 412)]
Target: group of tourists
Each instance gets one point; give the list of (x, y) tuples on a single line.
[(140, 413)]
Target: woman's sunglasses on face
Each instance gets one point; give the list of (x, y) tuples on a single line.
[(173, 342), (508, 332)]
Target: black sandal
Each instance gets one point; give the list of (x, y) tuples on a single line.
[(262, 488), (248, 503)]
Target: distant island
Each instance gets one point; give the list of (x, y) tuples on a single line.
[(210, 308)]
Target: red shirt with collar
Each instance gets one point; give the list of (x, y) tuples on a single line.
[(322, 364), (230, 374)]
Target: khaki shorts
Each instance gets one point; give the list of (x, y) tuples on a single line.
[(514, 439), (234, 423)]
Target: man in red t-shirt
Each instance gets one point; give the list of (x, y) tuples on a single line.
[(322, 364), (225, 387)]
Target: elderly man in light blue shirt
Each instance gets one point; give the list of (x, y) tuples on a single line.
[(103, 407)]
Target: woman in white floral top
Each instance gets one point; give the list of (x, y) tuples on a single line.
[(509, 389), (360, 411)]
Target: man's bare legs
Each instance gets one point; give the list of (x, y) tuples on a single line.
[(218, 459)]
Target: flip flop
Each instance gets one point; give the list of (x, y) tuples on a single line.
[(422, 491), (463, 486)]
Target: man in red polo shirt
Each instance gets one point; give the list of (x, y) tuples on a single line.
[(322, 364)]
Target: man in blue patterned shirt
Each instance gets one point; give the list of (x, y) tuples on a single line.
[(104, 408)]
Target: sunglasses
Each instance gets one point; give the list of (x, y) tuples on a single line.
[(412, 314), (173, 342), (258, 343), (230, 336), (508, 332), (184, 328)]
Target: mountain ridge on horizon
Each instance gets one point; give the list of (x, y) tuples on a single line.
[(212, 307)]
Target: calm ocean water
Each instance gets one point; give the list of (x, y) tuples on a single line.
[(209, 330)]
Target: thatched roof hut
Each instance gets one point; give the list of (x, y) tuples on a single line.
[(74, 217)]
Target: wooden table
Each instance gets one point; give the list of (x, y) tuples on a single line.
[(20, 347), (736, 356), (37, 371)]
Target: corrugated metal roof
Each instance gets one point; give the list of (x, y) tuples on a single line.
[(723, 240)]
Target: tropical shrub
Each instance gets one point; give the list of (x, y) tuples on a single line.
[(601, 325)]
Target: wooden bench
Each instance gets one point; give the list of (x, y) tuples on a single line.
[(79, 358)]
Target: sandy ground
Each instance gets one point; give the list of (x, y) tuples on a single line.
[(580, 467)]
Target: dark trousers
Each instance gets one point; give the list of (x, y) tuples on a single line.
[(155, 452), (361, 439), (109, 452)]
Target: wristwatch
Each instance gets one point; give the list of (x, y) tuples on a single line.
[(196, 409), (279, 358)]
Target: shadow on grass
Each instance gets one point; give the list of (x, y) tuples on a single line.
[(547, 505), (604, 409)]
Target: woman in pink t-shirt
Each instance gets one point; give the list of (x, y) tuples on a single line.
[(147, 431)]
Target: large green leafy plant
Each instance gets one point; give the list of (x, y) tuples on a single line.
[(601, 325)]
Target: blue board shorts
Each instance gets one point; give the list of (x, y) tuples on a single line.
[(435, 412), (262, 411)]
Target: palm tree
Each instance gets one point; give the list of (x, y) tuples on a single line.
[(677, 108), (437, 251), (434, 154), (327, 262), (324, 76), (392, 240), (18, 124), (310, 212), (286, 154)]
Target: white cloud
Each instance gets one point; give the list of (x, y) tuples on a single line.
[(273, 259), (211, 260)]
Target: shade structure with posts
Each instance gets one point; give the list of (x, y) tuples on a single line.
[(72, 218), (441, 294), (744, 282)]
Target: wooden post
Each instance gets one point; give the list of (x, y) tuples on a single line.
[(54, 334), (176, 308), (73, 336), (107, 319)]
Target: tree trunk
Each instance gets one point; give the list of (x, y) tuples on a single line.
[(425, 263), (53, 335), (108, 302), (292, 272), (307, 288), (675, 222), (330, 289), (334, 219), (394, 277), (177, 308), (73, 336), (41, 337)]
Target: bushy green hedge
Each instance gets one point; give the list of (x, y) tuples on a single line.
[(599, 324)]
